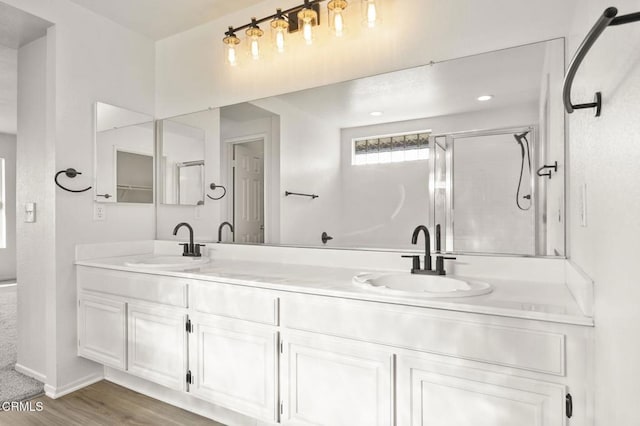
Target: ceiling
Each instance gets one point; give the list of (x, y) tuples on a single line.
[(159, 19), (17, 28)]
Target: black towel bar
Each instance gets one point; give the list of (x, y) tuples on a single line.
[(607, 19)]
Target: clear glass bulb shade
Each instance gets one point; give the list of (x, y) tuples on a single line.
[(231, 45), (307, 19), (254, 33), (255, 48), (337, 21), (371, 12), (279, 30)]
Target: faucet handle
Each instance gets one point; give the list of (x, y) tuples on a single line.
[(185, 248), (415, 266), (440, 264), (196, 248)]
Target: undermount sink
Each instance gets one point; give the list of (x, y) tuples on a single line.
[(169, 262), (432, 286)]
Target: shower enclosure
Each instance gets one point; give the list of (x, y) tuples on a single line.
[(487, 197)]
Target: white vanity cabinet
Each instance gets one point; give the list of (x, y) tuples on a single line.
[(233, 363), (157, 344), (304, 359), (328, 381), (102, 330), (437, 394)]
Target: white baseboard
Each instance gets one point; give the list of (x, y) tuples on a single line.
[(55, 393), (180, 399), (31, 373)]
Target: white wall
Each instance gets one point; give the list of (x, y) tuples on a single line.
[(8, 253), (605, 154), (8, 89), (35, 241), (310, 164), (89, 59)]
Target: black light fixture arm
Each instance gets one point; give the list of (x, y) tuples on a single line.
[(607, 19), (70, 173), (279, 13)]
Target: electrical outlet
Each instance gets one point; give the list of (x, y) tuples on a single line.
[(197, 215), (99, 212), (30, 212)]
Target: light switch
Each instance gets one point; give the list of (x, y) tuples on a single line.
[(30, 212)]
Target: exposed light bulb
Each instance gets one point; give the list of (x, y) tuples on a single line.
[(280, 40), (307, 32), (255, 49), (338, 22), (372, 14), (232, 56)]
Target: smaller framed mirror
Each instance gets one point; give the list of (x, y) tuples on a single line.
[(124, 155), (181, 165)]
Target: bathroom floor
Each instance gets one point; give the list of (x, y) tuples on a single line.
[(14, 386), (103, 404)]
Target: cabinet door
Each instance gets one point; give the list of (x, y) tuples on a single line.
[(102, 330), (435, 394), (157, 349), (234, 364), (335, 382)]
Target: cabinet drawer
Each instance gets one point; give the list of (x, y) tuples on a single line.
[(464, 336), (234, 301), (152, 288)]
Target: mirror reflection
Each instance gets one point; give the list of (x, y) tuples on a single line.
[(462, 144), (124, 145), (181, 165)]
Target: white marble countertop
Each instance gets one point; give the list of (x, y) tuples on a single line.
[(541, 301)]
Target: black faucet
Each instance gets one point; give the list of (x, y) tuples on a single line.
[(427, 253), (427, 248), (222, 225), (189, 249)]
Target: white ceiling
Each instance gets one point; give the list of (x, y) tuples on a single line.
[(159, 19), (512, 76), (18, 28)]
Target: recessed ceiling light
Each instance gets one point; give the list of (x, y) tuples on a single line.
[(375, 113), (485, 98)]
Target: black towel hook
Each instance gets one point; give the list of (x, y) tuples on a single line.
[(213, 187), (70, 173)]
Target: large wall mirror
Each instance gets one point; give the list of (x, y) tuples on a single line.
[(124, 159), (475, 145)]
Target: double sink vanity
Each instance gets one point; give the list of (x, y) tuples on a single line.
[(322, 313), (310, 336)]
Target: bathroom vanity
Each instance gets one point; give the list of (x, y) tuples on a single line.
[(281, 341)]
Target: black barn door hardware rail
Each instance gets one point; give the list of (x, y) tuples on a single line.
[(312, 196), (607, 19), (70, 173)]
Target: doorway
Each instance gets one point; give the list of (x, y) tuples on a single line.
[(247, 166)]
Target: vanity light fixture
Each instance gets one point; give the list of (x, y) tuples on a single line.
[(336, 16), (279, 29), (231, 43), (308, 17), (302, 18), (253, 35), (485, 98), (371, 12)]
